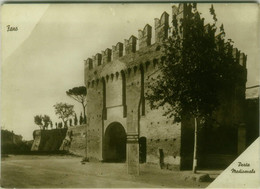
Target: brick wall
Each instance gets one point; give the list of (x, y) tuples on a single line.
[(94, 120)]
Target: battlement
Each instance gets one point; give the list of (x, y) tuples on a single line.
[(117, 50), (106, 56), (178, 11), (161, 29), (145, 36), (97, 60), (130, 45), (239, 57), (235, 54), (89, 63), (181, 11), (242, 59)]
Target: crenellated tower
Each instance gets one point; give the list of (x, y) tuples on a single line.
[(121, 125)]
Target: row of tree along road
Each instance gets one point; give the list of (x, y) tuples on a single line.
[(65, 112)]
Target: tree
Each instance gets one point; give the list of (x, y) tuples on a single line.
[(79, 94), (75, 119), (46, 120), (38, 121), (70, 120), (60, 125), (198, 68), (51, 124), (81, 120), (64, 112)]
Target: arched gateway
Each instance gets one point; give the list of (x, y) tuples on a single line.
[(114, 149)]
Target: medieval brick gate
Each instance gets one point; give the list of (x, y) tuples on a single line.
[(121, 125)]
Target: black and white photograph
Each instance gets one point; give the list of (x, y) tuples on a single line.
[(130, 95)]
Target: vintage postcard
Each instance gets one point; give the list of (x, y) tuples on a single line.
[(130, 95)]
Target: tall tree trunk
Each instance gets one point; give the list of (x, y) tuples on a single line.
[(64, 123), (84, 114), (194, 167)]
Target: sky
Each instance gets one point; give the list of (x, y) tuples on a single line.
[(45, 57)]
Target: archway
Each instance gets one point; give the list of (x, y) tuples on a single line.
[(114, 149), (142, 150)]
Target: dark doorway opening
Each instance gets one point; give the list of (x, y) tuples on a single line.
[(142, 150), (114, 149)]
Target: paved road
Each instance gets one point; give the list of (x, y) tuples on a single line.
[(67, 172)]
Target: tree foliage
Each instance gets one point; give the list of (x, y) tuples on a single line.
[(79, 94), (38, 121), (60, 125), (46, 121), (198, 67), (51, 124), (42, 121), (64, 111)]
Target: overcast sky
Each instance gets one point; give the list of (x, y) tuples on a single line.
[(45, 57)]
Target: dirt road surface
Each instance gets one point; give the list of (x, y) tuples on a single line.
[(33, 171)]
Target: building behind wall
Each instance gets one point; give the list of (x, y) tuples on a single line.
[(118, 114), (252, 114)]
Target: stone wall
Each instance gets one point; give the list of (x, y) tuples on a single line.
[(95, 120), (48, 140), (72, 140), (75, 140)]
